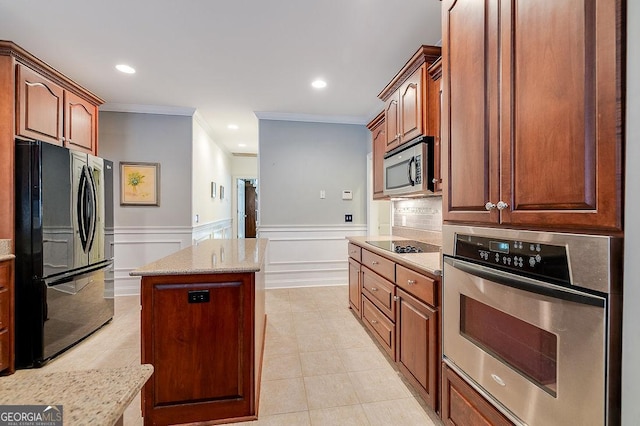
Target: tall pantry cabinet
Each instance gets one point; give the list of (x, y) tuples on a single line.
[(532, 116)]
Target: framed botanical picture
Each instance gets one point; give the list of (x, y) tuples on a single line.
[(213, 190), (139, 184)]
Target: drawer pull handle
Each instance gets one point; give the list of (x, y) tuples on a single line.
[(411, 282), (375, 263), (374, 322), (374, 288), (396, 298)]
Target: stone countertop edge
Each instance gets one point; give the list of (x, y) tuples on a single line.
[(5, 250), (212, 256), (427, 262), (95, 397)]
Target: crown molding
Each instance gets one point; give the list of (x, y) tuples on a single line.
[(148, 109), (311, 118)]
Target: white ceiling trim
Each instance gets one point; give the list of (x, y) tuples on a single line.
[(334, 119), (147, 109)]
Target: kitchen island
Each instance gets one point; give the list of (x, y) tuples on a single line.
[(203, 326)]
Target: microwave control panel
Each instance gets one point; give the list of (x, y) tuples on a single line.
[(537, 260)]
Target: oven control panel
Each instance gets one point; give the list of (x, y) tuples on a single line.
[(521, 257)]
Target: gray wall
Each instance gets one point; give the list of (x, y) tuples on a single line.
[(631, 315), (153, 138), (298, 159)]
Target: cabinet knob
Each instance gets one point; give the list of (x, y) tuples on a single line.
[(489, 205), (375, 262), (374, 322), (502, 205), (434, 180), (411, 282), (374, 288), (396, 298)]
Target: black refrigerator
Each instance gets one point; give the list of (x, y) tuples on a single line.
[(63, 246)]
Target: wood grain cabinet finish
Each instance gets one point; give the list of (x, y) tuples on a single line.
[(433, 120), (7, 365), (81, 118), (406, 97), (379, 264), (202, 350), (380, 292), (355, 252), (355, 287), (531, 119), (417, 345), (378, 140), (463, 406), (382, 328), (39, 109)]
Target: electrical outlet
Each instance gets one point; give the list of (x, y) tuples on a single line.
[(348, 218)]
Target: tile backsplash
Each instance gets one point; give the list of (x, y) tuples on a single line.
[(419, 213)]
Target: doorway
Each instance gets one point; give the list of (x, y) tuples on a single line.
[(247, 207)]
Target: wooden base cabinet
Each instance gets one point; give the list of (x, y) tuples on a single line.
[(199, 332), (417, 345), (463, 406), (355, 292), (7, 365)]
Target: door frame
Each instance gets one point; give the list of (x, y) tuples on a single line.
[(234, 201)]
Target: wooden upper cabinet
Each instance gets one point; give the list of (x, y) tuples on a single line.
[(378, 139), (39, 108), (433, 120), (542, 145), (406, 99), (80, 123)]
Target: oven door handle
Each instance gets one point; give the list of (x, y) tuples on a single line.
[(526, 284)]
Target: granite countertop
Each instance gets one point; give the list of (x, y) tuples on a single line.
[(89, 397), (427, 262), (211, 257), (5, 250)]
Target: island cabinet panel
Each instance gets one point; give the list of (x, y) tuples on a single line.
[(198, 332), (526, 144), (7, 365)]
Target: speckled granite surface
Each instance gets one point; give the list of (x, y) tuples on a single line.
[(89, 397), (428, 262), (5, 250), (211, 257)]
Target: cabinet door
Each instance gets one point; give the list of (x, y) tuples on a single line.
[(417, 345), (469, 111), (391, 124), (462, 405), (433, 124), (80, 123), (39, 107), (411, 108), (355, 293), (561, 150), (379, 148)]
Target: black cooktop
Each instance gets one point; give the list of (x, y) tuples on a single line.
[(406, 246)]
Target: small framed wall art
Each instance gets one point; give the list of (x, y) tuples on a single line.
[(221, 192), (213, 190), (139, 184)]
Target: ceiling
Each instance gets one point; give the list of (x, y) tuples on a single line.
[(229, 60)]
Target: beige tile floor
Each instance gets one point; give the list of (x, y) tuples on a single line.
[(320, 365)]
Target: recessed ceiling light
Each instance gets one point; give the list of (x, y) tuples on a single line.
[(319, 84), (232, 126), (125, 69), (242, 145)]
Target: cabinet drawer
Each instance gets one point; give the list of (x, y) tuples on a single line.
[(421, 286), (5, 303), (379, 265), (380, 292), (382, 328), (355, 252), (5, 274), (5, 349)]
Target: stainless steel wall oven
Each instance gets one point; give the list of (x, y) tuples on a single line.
[(531, 320)]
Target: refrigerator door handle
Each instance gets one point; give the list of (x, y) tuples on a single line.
[(78, 273), (93, 217), (86, 209)]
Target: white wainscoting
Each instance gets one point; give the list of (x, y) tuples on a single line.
[(303, 256), (219, 229), (137, 246)]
